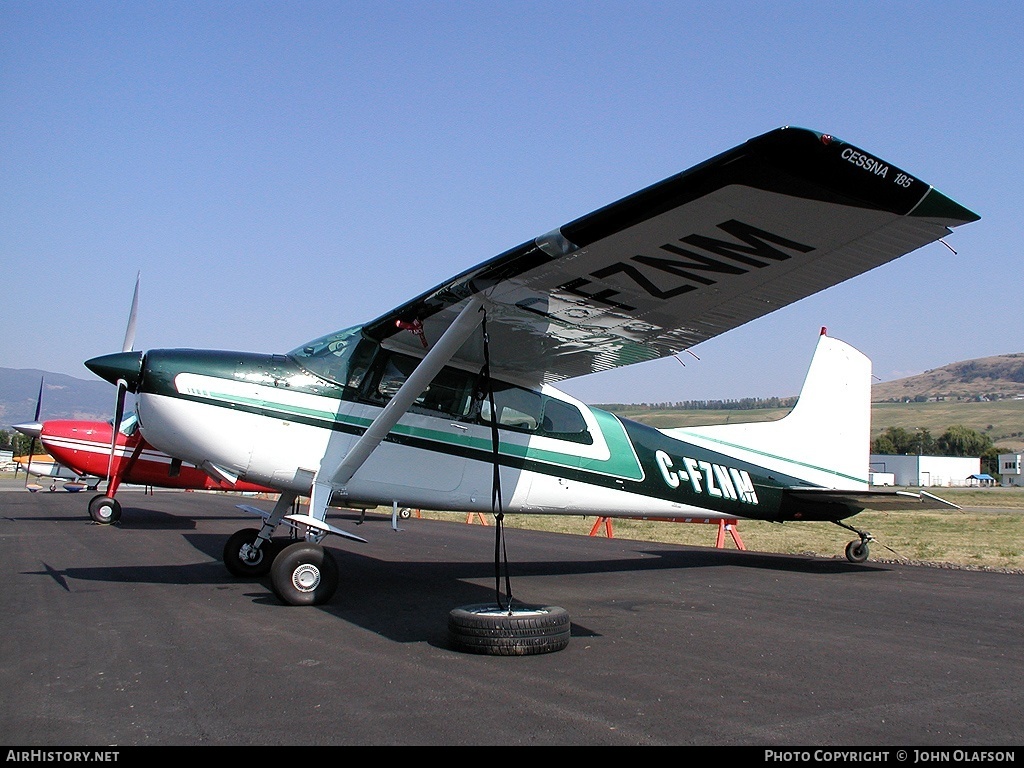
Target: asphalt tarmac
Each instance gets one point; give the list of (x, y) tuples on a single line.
[(135, 634)]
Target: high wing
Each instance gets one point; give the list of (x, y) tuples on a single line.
[(779, 218)]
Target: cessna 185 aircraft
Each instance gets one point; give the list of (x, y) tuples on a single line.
[(447, 402)]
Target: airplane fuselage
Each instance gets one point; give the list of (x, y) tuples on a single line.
[(266, 419)]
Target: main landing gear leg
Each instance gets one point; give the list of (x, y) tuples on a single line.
[(250, 552), (304, 573), (857, 551)]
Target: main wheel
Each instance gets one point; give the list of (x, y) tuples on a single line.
[(405, 513), (304, 574), (242, 566), (495, 631), (857, 551), (104, 510)]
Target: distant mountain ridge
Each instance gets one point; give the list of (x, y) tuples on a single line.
[(64, 397), (997, 377)]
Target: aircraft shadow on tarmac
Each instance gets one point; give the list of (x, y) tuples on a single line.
[(408, 601), (140, 518)]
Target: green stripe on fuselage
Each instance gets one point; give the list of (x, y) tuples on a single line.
[(622, 462)]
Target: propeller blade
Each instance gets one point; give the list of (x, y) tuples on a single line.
[(28, 466), (32, 442), (39, 400), (122, 390), (129, 334)]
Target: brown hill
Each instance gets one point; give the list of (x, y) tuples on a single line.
[(990, 378)]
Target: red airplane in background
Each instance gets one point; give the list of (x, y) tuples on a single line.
[(85, 448)]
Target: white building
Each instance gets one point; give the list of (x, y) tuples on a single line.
[(926, 470), (1010, 467)]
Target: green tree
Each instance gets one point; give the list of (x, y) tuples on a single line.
[(959, 440), (17, 443), (883, 444), (896, 441)]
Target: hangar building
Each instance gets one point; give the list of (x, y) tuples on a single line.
[(926, 470), (1010, 468)]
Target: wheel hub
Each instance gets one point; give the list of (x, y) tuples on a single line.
[(306, 577), (250, 555)]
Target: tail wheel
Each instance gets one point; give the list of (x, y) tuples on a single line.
[(304, 574), (104, 510), (496, 631)]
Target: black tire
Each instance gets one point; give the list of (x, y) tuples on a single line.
[(493, 630), (405, 513), (104, 510), (238, 566), (304, 574), (857, 551)]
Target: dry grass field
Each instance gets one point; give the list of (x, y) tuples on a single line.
[(986, 534)]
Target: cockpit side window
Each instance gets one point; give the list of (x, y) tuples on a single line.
[(129, 424), (450, 393), (374, 375)]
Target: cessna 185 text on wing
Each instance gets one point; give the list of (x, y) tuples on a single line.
[(447, 402)]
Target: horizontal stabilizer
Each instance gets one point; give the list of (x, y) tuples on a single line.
[(880, 500)]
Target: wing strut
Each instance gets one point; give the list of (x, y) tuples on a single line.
[(327, 478)]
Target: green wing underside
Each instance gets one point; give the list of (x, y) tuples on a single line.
[(776, 219)]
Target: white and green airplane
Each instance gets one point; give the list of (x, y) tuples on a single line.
[(448, 401)]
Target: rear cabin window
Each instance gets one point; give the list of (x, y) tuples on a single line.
[(527, 411)]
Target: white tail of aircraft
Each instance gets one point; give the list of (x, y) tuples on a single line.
[(825, 439)]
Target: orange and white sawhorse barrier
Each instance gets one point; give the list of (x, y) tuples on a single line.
[(724, 526)]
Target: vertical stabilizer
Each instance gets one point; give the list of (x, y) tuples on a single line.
[(825, 440)]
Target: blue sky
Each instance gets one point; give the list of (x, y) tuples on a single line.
[(278, 170)]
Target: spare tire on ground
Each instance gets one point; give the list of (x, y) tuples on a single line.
[(525, 630)]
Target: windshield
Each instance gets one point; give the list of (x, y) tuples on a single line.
[(341, 357), (129, 424)]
